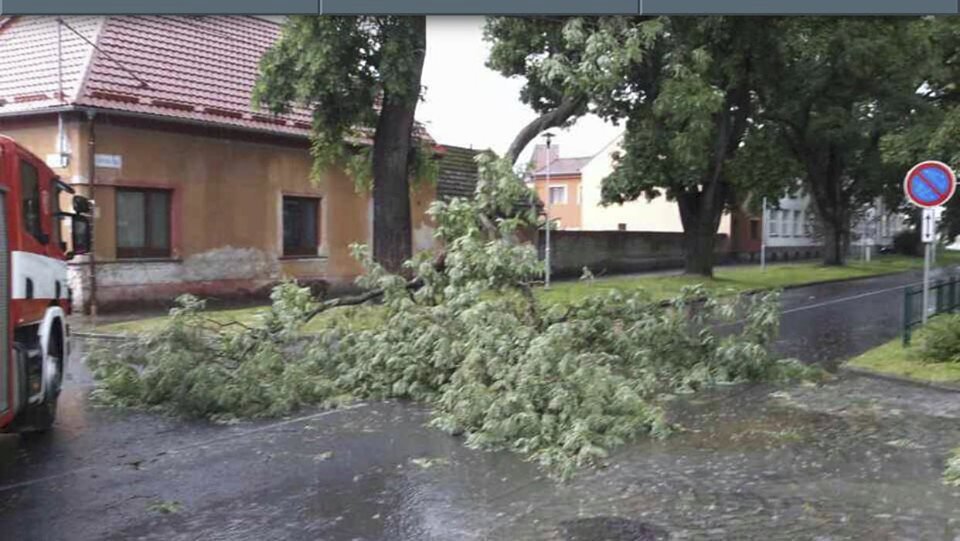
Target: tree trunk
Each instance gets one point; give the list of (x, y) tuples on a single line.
[(700, 214), (834, 245), (392, 142)]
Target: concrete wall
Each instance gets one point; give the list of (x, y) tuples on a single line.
[(611, 252), (226, 209)]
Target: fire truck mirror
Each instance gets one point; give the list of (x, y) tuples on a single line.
[(80, 227), (82, 205)]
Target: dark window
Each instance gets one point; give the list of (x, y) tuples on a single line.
[(754, 229), (621, 227), (300, 225), (143, 223), (30, 199)]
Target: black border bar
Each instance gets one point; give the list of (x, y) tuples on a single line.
[(481, 7)]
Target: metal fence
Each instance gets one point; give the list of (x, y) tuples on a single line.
[(944, 297)]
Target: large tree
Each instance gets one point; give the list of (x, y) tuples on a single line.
[(359, 75), (932, 129), (682, 84), (840, 84)]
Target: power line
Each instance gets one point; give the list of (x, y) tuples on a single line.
[(143, 84)]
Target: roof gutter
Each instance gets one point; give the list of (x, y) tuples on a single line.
[(148, 116)]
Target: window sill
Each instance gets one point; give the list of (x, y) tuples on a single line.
[(143, 260), (303, 257)]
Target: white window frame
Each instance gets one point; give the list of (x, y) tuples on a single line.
[(785, 223), (773, 228), (797, 223), (563, 190)]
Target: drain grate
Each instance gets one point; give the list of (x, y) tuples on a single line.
[(610, 529)]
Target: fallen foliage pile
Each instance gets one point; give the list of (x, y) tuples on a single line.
[(560, 384), (951, 475)]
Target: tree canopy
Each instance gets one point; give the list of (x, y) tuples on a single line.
[(683, 86), (837, 87)]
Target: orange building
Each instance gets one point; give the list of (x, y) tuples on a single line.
[(195, 190), (563, 192)]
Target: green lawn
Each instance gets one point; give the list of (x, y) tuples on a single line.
[(727, 280), (894, 359)]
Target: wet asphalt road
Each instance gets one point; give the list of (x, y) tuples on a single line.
[(368, 472)]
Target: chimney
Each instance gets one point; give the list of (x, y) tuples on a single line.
[(539, 158)]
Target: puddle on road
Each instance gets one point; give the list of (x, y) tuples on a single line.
[(842, 461)]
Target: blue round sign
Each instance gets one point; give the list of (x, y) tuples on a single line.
[(930, 184)]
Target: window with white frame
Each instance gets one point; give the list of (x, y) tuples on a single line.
[(797, 223), (558, 195), (774, 227), (785, 223)]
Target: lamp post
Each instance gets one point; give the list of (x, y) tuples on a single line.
[(546, 277), (763, 236)]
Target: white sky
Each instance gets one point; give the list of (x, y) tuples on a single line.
[(467, 104)]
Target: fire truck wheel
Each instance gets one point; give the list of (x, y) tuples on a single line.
[(40, 417)]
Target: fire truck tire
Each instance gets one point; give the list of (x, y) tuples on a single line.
[(40, 417)]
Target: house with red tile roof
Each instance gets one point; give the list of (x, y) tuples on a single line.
[(195, 189)]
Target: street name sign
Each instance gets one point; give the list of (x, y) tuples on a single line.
[(930, 184)]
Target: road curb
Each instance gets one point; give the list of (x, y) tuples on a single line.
[(108, 337), (899, 379)]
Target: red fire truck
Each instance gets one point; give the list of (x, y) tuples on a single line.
[(34, 296)]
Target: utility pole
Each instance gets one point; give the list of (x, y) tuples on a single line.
[(546, 281)]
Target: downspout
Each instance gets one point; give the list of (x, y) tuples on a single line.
[(92, 168)]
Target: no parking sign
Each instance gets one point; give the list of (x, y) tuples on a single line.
[(930, 184)]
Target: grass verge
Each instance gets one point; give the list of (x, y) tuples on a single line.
[(895, 360), (727, 280)]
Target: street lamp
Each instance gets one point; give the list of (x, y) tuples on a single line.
[(546, 281)]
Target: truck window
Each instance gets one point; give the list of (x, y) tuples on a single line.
[(30, 198)]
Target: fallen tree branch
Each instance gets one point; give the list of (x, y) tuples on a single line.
[(439, 264)]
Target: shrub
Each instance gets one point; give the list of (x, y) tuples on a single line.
[(907, 242), (939, 340), (562, 385)]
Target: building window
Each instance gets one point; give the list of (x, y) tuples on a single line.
[(754, 229), (558, 195), (300, 225), (621, 227), (774, 226), (143, 223), (797, 223), (785, 223), (30, 199)]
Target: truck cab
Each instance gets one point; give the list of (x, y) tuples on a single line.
[(34, 294)]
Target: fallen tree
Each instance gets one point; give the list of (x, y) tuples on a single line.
[(561, 385)]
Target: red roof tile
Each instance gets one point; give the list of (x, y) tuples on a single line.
[(563, 166), (200, 69)]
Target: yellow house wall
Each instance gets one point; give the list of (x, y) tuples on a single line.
[(226, 219), (658, 215)]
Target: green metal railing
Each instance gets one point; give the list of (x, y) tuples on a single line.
[(944, 298)]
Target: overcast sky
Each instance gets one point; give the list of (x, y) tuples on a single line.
[(467, 104)]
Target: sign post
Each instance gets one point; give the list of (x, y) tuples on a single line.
[(929, 185)]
